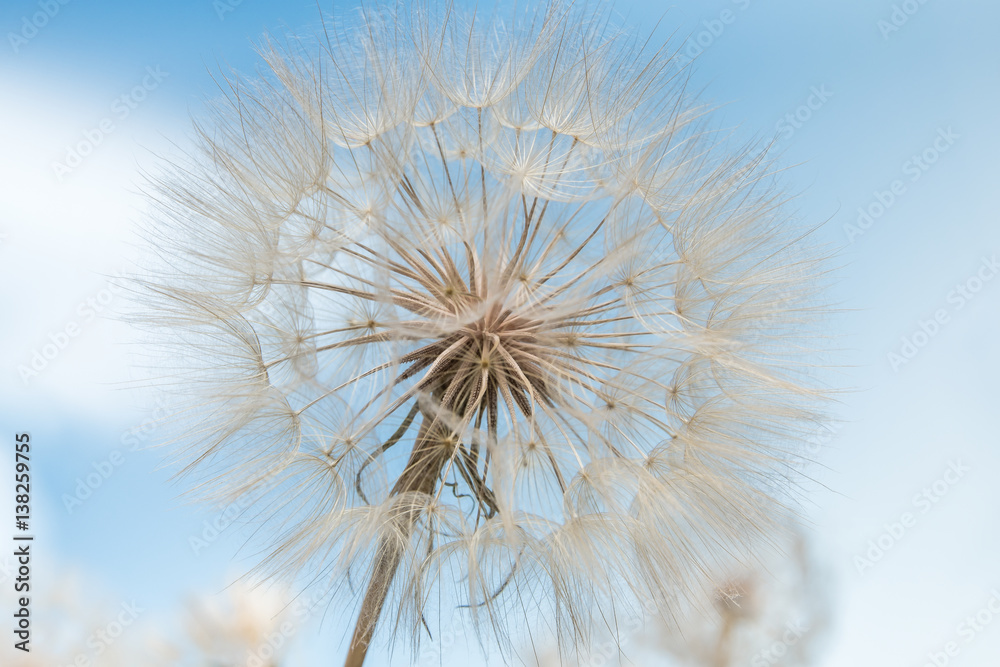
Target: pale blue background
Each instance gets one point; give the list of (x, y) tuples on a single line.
[(897, 431)]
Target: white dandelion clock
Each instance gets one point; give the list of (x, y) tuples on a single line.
[(775, 612), (478, 316)]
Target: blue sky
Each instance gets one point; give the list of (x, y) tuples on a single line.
[(901, 120)]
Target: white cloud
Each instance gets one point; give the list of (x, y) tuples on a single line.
[(60, 238)]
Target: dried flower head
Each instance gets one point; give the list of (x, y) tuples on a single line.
[(480, 316), (774, 612)]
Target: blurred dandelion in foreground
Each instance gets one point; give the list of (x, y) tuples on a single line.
[(479, 316)]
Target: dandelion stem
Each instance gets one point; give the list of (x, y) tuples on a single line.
[(418, 477)]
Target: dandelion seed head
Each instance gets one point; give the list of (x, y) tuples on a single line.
[(480, 297)]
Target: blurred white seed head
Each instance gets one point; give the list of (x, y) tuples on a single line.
[(484, 288), (242, 621), (76, 622), (775, 612)]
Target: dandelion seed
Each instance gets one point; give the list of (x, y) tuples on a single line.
[(479, 315)]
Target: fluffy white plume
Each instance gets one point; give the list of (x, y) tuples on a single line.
[(481, 316)]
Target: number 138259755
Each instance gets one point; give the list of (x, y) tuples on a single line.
[(22, 479)]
